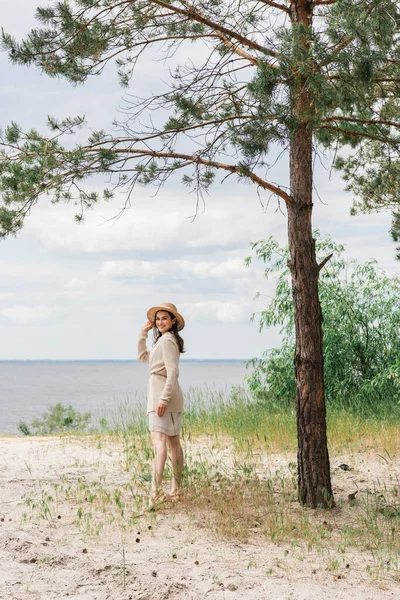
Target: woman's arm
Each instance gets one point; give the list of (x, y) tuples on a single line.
[(143, 354)]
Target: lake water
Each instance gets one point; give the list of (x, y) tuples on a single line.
[(27, 389)]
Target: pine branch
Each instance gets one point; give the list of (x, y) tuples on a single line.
[(323, 262), (159, 134), (276, 5), (93, 166), (239, 51), (108, 9), (193, 159), (324, 2), (194, 15), (168, 38), (359, 134), (220, 32), (378, 79), (369, 122), (334, 50)]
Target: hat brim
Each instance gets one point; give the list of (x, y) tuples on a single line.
[(151, 315)]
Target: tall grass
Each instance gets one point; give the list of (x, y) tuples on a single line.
[(238, 417), (266, 425)]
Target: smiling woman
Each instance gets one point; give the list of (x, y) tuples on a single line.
[(164, 398)]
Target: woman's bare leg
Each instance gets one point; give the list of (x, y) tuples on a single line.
[(175, 447), (159, 441)]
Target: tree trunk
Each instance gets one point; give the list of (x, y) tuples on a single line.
[(312, 451)]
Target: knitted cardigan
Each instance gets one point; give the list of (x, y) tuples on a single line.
[(163, 361)]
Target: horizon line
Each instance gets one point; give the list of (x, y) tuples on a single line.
[(14, 360)]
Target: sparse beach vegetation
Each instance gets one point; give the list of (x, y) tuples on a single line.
[(240, 481)]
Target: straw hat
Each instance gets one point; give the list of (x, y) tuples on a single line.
[(151, 313)]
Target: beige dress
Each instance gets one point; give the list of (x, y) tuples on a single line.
[(163, 385)]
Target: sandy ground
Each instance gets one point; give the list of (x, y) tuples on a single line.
[(172, 556)]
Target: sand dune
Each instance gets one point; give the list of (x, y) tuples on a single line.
[(169, 555)]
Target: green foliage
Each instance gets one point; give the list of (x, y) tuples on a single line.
[(23, 428), (376, 182), (395, 231), (43, 166), (361, 325), (259, 76), (13, 133), (58, 419), (205, 179)]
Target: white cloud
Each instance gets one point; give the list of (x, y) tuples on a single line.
[(12, 269), (53, 226), (75, 284), (132, 268), (155, 225), (23, 315), (225, 312), (229, 312), (231, 268)]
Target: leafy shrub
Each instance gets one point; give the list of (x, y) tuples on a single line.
[(23, 428), (361, 326), (59, 418)]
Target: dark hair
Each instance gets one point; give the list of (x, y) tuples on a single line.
[(174, 329)]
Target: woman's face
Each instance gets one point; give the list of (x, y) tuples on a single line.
[(164, 321)]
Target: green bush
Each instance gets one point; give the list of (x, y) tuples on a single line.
[(59, 418), (361, 325)]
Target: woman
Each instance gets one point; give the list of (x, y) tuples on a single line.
[(164, 399)]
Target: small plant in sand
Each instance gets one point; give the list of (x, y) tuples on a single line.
[(40, 500)]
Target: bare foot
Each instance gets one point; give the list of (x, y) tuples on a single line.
[(156, 498), (174, 496)]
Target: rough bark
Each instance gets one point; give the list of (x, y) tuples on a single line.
[(312, 453)]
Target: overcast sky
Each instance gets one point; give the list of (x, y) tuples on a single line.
[(72, 291)]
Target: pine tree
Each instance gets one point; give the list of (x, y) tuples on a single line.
[(306, 75)]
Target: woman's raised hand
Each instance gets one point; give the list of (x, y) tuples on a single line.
[(149, 325)]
